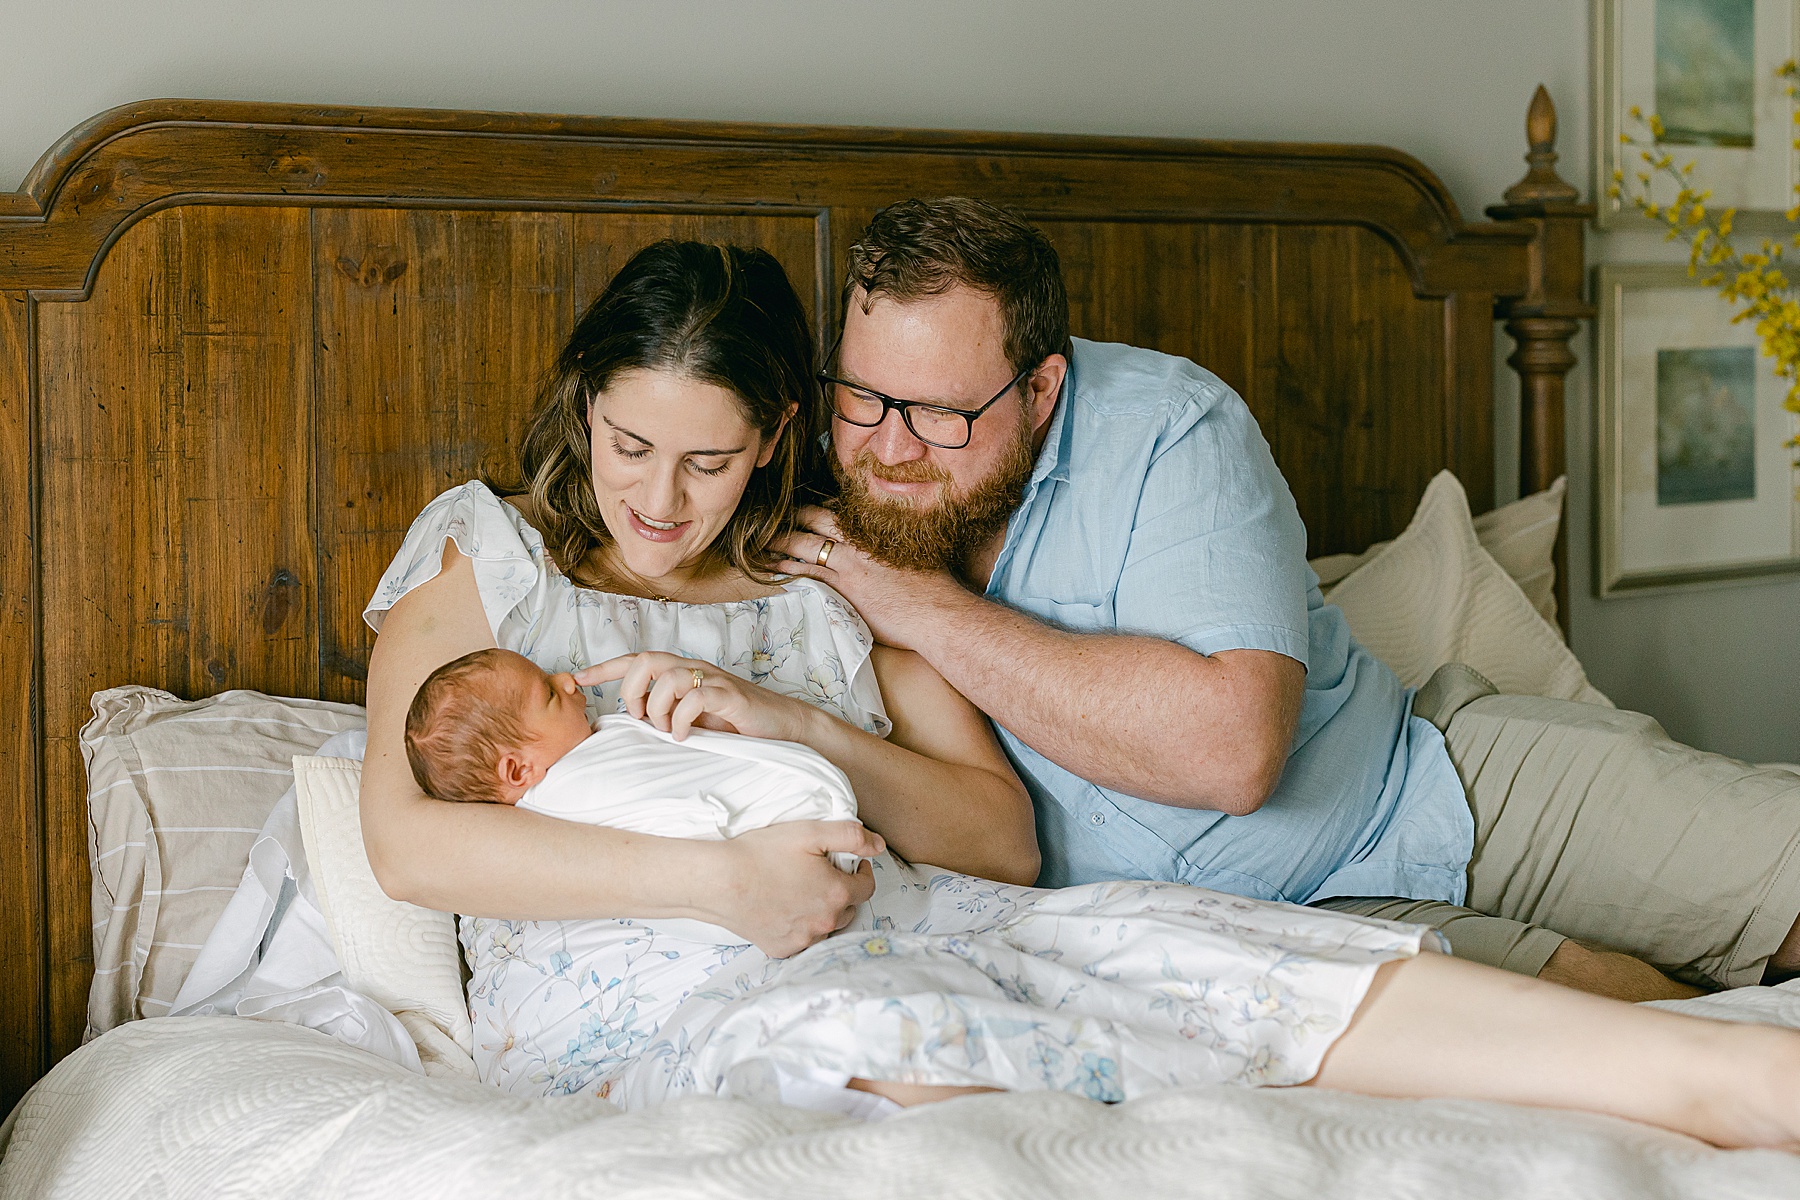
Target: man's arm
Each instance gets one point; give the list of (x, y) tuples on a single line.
[(1139, 715)]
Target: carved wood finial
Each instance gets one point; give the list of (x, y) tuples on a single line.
[(1541, 183)]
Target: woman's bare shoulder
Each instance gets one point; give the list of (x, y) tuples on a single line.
[(524, 506)]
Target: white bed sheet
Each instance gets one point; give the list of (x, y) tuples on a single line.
[(226, 1107)]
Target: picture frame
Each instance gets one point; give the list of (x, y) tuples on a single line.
[(1694, 482), (1711, 64)]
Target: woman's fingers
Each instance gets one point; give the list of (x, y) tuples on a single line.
[(862, 886), (606, 672), (636, 685), (665, 692), (687, 711), (847, 837)]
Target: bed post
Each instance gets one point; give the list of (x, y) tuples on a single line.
[(1547, 315)]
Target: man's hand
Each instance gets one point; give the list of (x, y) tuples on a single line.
[(900, 606)]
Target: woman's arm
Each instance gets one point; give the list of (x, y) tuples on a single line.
[(776, 887), (939, 788)]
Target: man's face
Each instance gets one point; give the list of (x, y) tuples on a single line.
[(906, 501)]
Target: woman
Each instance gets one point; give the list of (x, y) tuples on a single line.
[(663, 461)]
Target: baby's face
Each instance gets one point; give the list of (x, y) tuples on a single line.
[(552, 710)]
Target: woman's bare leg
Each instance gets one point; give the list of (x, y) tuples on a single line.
[(1438, 1026), (908, 1094)]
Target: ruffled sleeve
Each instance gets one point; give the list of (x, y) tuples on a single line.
[(845, 677), (508, 557)]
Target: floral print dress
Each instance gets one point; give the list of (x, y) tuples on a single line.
[(1107, 990)]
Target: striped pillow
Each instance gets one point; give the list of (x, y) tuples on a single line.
[(177, 791)]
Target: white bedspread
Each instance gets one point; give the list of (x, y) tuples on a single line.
[(225, 1107)]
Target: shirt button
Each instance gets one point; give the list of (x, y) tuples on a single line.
[(1097, 818)]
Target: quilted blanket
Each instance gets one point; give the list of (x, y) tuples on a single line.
[(226, 1107)]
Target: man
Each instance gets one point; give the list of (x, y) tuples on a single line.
[(1092, 542)]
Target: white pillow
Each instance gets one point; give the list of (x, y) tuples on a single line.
[(403, 957), (177, 791), (1521, 536), (1433, 596)]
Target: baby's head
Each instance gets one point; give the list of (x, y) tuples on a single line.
[(487, 726)]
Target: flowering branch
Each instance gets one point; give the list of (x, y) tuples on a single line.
[(1757, 280)]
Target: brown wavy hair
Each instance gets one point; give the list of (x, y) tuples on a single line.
[(919, 248), (723, 315)]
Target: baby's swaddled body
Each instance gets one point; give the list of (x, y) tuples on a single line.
[(631, 775), (614, 982)]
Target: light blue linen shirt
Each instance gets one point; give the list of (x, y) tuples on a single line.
[(1156, 508)]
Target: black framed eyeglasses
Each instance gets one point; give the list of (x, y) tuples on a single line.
[(933, 424)]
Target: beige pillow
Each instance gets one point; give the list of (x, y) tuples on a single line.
[(1521, 536), (403, 957), (177, 792), (1434, 596)]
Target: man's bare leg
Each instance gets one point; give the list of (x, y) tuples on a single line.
[(1438, 1026), (1786, 963), (1611, 974)]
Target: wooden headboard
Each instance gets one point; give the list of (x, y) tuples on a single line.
[(242, 344)]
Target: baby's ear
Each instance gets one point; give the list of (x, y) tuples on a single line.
[(515, 771)]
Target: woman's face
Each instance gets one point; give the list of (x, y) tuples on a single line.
[(671, 457)]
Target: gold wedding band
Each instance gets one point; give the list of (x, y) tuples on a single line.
[(824, 554), (699, 676)]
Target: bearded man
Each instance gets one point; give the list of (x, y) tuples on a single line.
[(1093, 544)]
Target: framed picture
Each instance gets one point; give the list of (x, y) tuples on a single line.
[(1694, 479), (1708, 69)]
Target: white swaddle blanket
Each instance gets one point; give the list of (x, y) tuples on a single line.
[(631, 775)]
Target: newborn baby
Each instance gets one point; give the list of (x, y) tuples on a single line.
[(492, 726)]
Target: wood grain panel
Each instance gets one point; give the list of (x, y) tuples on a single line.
[(1359, 366), (1469, 372), (1318, 330), (604, 242), (134, 160), (176, 472), (22, 999), (433, 330)]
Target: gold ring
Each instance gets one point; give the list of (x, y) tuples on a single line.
[(699, 676), (824, 554)]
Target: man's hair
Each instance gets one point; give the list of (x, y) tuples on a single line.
[(920, 248), (457, 727)]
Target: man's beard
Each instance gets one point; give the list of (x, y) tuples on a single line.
[(946, 535)]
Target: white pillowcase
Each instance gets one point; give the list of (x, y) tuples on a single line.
[(1434, 595), (1521, 536), (401, 956), (177, 790)]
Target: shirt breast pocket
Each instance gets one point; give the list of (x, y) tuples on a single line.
[(1082, 616)]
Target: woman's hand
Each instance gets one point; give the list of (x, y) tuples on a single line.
[(678, 694), (780, 890)]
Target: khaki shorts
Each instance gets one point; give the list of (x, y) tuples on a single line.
[(1591, 823)]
